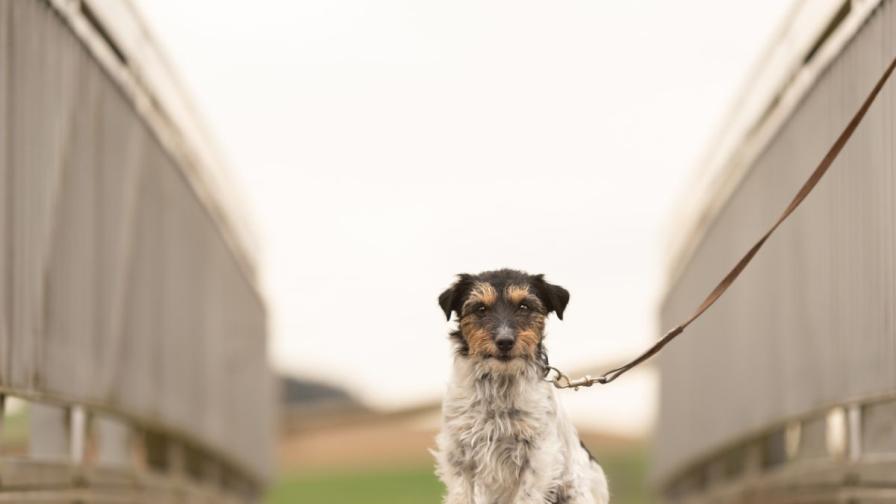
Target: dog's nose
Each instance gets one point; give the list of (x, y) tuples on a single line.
[(504, 344), (504, 339)]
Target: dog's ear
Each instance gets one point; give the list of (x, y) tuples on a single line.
[(453, 297), (554, 297)]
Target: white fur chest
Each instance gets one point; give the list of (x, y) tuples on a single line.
[(497, 427)]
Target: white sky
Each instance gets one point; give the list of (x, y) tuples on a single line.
[(386, 145)]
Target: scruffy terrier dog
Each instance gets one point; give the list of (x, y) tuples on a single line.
[(504, 438)]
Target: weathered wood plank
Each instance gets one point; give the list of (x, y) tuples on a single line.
[(5, 192), (71, 312), (29, 481), (123, 144)]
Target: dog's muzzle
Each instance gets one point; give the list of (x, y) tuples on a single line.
[(504, 340)]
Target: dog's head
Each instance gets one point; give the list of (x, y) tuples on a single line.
[(501, 314)]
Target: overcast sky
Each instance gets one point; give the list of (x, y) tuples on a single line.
[(386, 145)]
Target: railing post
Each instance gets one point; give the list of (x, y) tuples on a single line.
[(77, 433)]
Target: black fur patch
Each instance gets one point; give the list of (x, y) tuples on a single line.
[(590, 456)]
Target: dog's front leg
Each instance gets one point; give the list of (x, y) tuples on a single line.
[(532, 489), (459, 487), (459, 493), (454, 471)]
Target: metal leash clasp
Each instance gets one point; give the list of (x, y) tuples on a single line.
[(561, 381), (556, 377)]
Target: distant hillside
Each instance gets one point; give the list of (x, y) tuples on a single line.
[(299, 392)]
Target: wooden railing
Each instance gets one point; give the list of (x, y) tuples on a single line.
[(804, 345), (130, 321)]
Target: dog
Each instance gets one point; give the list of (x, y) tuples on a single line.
[(504, 438)]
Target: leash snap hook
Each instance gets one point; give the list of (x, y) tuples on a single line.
[(556, 377)]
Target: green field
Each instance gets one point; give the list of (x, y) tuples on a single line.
[(396, 486), (625, 470)]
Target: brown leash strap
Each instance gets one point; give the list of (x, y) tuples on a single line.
[(560, 380)]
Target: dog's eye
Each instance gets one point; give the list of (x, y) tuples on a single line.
[(524, 307), (480, 309)]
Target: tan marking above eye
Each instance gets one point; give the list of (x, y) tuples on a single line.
[(516, 294), (482, 292)]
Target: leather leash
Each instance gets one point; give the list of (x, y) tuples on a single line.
[(560, 380)]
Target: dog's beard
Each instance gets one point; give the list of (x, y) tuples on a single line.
[(515, 365)]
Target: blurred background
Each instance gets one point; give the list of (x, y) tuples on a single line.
[(383, 147), (229, 222)]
